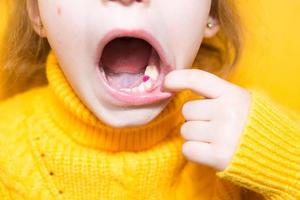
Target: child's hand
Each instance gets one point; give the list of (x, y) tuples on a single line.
[(213, 125)]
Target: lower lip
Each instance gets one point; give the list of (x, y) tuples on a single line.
[(146, 98)]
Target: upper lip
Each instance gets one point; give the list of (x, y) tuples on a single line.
[(141, 34)]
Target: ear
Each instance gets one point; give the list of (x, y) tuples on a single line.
[(212, 27), (34, 16)]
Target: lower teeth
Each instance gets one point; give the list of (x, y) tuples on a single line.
[(151, 75)]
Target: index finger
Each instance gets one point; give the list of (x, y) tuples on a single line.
[(199, 81)]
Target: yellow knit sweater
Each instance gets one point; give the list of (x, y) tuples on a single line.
[(52, 147)]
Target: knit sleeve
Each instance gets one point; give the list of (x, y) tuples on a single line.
[(267, 158)]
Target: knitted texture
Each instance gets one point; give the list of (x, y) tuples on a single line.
[(53, 147), (268, 156)]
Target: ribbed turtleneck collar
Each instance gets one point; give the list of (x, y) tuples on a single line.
[(78, 123)]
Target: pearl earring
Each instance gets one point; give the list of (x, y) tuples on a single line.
[(210, 25)]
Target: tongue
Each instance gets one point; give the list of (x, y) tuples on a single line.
[(124, 80), (124, 61), (126, 55)]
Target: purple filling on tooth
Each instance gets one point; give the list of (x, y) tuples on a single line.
[(146, 78)]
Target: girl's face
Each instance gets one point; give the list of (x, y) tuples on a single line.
[(83, 34)]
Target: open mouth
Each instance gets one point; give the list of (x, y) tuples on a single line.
[(133, 71)]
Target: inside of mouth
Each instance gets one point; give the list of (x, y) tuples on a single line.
[(124, 61)]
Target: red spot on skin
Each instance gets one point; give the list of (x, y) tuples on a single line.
[(58, 10), (146, 78)]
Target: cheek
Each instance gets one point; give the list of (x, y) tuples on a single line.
[(58, 10), (61, 21), (66, 32), (186, 22)]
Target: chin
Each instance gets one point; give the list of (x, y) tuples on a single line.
[(128, 122), (116, 123), (126, 117)]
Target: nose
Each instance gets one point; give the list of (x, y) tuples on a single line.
[(127, 2)]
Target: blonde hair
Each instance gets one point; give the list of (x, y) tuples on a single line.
[(24, 53)]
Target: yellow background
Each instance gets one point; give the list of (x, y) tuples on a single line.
[(271, 58)]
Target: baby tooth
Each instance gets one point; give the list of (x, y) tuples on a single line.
[(149, 70), (125, 89), (135, 90), (148, 85), (141, 88), (152, 71)]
